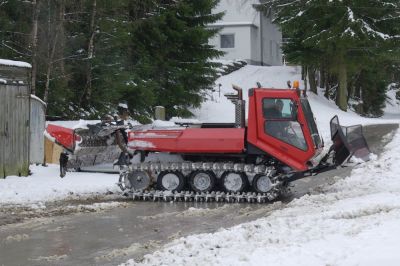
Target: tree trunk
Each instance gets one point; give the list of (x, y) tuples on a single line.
[(49, 35), (312, 80), (88, 89), (322, 81), (51, 49), (305, 69), (49, 67), (327, 79), (62, 38), (341, 99), (34, 41)]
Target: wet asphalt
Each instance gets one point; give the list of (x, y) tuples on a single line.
[(113, 236)]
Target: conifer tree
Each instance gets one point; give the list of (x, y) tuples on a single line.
[(347, 31), (172, 56), (91, 54)]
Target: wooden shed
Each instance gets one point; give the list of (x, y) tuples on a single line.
[(37, 127), (14, 118)]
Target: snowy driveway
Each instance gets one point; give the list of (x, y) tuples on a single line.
[(118, 233)]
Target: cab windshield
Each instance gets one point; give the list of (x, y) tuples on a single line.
[(311, 123), (280, 116)]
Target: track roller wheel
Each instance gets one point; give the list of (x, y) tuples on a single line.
[(202, 181), (171, 181), (234, 181), (136, 180), (262, 183)]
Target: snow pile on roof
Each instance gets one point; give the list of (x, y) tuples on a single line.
[(46, 185), (38, 99), (73, 124), (6, 62), (354, 222)]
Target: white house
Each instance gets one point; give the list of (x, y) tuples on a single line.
[(247, 34)]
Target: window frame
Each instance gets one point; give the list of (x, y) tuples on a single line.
[(266, 120), (227, 34), (291, 118)]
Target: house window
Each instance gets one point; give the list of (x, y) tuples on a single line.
[(227, 40)]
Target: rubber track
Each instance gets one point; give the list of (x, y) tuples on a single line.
[(190, 196), (214, 196)]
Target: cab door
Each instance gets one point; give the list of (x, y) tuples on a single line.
[(282, 131)]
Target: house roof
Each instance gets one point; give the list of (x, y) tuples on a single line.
[(12, 63), (233, 24)]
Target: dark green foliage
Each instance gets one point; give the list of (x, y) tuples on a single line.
[(170, 55), (370, 87), (352, 40), (15, 26), (144, 52)]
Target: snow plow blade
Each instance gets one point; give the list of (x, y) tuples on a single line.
[(347, 142), (96, 147), (86, 146)]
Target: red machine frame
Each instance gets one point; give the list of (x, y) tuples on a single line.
[(233, 140)]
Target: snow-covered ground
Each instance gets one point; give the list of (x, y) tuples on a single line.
[(353, 222), (45, 185)]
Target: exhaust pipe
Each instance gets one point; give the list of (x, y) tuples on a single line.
[(240, 104)]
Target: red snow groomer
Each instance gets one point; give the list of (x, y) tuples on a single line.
[(239, 162), (233, 162)]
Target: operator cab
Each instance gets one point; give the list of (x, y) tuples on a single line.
[(282, 125)]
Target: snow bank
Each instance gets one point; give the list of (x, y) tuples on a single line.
[(354, 222), (46, 185), (6, 62), (392, 105)]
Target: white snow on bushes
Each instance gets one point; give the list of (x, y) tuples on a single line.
[(354, 222), (46, 185)]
